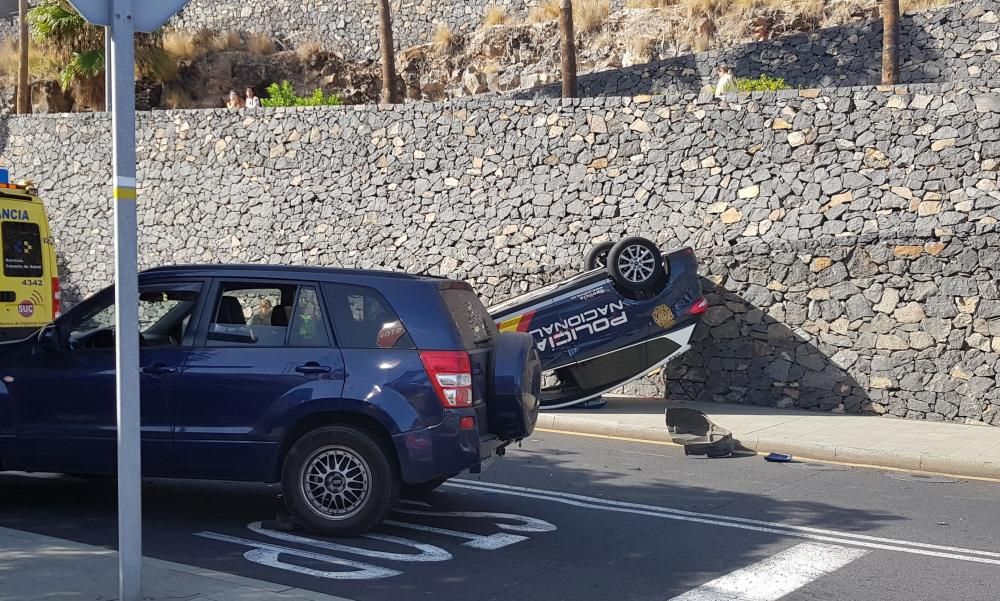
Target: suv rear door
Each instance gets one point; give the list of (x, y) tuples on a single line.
[(386, 378), (263, 348), (478, 334)]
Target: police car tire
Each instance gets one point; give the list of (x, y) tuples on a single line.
[(632, 245), (598, 256), (370, 450)]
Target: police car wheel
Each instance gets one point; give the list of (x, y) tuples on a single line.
[(598, 256), (635, 264)]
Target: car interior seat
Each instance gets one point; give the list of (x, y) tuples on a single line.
[(231, 312), (280, 316)]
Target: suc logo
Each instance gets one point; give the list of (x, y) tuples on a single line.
[(26, 308)]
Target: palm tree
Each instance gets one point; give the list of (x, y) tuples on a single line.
[(390, 91), (568, 49), (58, 25), (890, 38), (23, 89)]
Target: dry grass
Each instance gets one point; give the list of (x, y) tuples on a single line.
[(547, 10), (217, 42), (915, 6), (813, 10), (495, 15), (588, 15), (738, 19), (308, 51), (444, 39), (176, 97), (650, 3), (181, 45), (232, 41), (260, 44), (640, 47), (43, 63)]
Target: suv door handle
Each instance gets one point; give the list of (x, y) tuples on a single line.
[(313, 368), (159, 369)]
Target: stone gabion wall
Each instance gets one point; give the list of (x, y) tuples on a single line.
[(953, 43), (848, 237)]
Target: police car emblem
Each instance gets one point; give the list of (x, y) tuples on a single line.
[(663, 316)]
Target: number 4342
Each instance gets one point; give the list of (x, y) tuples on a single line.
[(31, 282)]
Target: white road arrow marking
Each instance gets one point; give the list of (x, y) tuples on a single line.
[(776, 576), (490, 542), (426, 552), (527, 524), (269, 555)]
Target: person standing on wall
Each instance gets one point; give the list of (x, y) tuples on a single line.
[(252, 101), (727, 82)]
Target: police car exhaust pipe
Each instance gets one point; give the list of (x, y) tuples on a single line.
[(699, 436)]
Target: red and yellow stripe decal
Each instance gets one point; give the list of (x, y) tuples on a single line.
[(518, 323)]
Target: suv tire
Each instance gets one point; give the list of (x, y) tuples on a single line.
[(339, 481)]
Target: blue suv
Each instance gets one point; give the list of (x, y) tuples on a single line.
[(343, 385)]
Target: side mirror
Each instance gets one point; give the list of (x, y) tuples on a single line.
[(49, 338)]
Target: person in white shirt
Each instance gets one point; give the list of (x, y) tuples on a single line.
[(727, 82), (252, 101)]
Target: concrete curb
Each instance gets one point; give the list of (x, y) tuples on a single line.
[(820, 451)]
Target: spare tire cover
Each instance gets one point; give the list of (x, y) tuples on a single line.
[(516, 387)]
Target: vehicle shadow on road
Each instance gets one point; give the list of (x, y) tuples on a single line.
[(618, 471)]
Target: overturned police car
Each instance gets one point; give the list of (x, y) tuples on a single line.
[(632, 310)]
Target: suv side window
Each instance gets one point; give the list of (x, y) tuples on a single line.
[(308, 325), (363, 319), (164, 317), (248, 314)]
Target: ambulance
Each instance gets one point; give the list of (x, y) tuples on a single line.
[(29, 281)]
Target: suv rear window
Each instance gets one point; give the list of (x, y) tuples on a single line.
[(22, 249), (475, 325)]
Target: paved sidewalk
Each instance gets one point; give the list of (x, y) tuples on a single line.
[(965, 450), (35, 568)]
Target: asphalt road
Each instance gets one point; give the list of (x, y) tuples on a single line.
[(576, 518)]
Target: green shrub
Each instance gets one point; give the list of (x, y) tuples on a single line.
[(762, 83), (283, 94)]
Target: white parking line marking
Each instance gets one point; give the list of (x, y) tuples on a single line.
[(776, 576), (739, 520), (832, 536), (427, 552)]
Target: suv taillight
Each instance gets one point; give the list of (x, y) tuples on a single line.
[(451, 374), (56, 299)]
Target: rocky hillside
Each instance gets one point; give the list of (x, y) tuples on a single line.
[(506, 53), (506, 56)]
